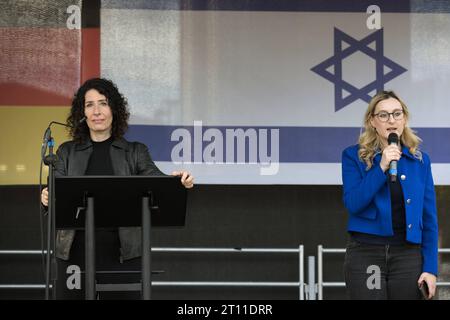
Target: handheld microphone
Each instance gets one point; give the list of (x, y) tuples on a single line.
[(393, 139)]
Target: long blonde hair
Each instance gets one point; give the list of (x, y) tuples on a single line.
[(369, 141)]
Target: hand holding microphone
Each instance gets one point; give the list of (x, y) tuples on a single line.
[(391, 154)]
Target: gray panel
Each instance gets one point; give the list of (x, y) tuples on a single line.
[(35, 13)]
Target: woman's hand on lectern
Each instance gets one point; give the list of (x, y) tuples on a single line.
[(186, 178), (44, 197)]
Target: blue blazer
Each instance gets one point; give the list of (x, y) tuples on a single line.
[(367, 199)]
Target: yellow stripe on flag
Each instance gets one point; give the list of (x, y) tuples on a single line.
[(21, 133)]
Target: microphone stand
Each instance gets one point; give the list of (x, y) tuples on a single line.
[(50, 273), (50, 161)]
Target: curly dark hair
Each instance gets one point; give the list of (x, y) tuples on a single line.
[(116, 101)]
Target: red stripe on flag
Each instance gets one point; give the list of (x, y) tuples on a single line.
[(39, 66), (45, 66), (19, 94), (90, 53)]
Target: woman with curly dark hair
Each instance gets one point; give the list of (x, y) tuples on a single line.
[(116, 102), (99, 120)]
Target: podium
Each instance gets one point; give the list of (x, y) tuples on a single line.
[(118, 201)]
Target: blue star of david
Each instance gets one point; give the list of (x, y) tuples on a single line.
[(339, 55)]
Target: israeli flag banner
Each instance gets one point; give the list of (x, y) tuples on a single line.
[(272, 92)]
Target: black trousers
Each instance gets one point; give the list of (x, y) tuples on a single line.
[(382, 272), (108, 266)]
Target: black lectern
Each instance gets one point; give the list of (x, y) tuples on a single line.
[(119, 201)]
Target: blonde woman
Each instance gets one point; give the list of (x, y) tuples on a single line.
[(392, 251)]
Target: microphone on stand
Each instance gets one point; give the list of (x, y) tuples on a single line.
[(45, 141), (48, 134)]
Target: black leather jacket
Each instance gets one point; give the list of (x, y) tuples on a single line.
[(128, 158)]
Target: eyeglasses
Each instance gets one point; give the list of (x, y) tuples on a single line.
[(384, 116)]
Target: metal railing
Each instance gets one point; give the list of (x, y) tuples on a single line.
[(321, 284), (300, 284)]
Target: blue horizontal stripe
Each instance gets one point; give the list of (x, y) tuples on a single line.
[(296, 144), (428, 6)]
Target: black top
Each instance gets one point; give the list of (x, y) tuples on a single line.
[(398, 211), (398, 220), (100, 161)]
